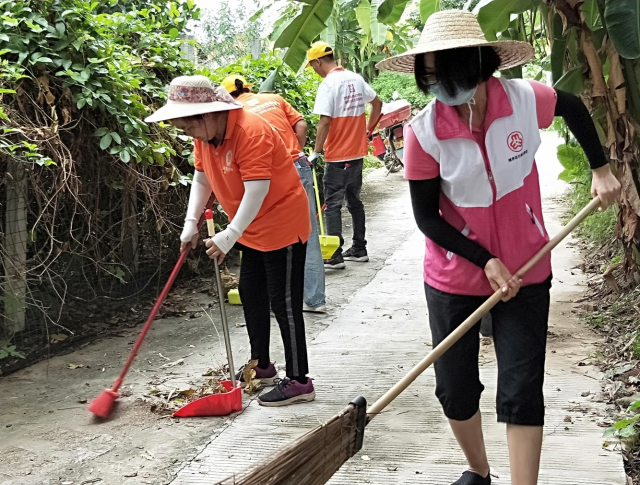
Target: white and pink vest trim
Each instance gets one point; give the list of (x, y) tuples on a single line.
[(492, 196)]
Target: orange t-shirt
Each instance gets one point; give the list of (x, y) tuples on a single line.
[(252, 150), (279, 113)]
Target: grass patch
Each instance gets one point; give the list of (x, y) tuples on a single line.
[(371, 162), (597, 229)]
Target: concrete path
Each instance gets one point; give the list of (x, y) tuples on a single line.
[(373, 338)]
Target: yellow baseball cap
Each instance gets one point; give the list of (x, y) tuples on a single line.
[(229, 83), (318, 50)]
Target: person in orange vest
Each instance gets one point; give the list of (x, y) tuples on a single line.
[(245, 163), (342, 135), (292, 128)]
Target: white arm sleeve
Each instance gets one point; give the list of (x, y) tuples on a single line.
[(198, 197), (254, 193)]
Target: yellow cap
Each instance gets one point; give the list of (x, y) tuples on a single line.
[(229, 83), (318, 50)]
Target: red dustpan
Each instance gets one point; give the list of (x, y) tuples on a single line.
[(214, 405), (229, 402)]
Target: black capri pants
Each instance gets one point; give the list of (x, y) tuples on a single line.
[(520, 339)]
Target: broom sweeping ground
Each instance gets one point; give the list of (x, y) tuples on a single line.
[(314, 457), (102, 406)]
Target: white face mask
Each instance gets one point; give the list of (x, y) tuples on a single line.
[(463, 96)]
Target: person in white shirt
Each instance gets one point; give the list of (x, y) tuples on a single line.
[(342, 135)]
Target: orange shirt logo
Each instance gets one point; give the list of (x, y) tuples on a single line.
[(228, 168)]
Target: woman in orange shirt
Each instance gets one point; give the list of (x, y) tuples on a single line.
[(246, 164), (292, 128)]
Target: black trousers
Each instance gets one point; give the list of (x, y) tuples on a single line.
[(343, 180), (275, 278), (520, 339)]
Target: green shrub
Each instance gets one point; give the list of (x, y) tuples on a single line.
[(371, 162), (105, 192), (599, 227), (388, 82), (95, 66), (626, 429)]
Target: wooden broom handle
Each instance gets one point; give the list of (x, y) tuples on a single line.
[(377, 407)]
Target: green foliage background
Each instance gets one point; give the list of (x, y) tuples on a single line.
[(105, 193), (388, 82), (96, 66), (225, 36), (598, 228)]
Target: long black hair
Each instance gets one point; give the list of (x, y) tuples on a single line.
[(458, 68)]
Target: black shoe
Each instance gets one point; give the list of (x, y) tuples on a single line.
[(335, 262), (471, 478), (288, 392), (354, 254), (267, 376), (486, 326)]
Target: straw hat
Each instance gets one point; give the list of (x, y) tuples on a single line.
[(451, 29), (193, 95)]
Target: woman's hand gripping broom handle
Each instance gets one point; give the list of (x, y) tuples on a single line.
[(211, 228), (377, 407)]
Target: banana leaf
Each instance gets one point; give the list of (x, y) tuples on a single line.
[(391, 11), (622, 18), (303, 30), (427, 7), (494, 16)]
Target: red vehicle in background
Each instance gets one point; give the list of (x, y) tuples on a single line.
[(387, 140)]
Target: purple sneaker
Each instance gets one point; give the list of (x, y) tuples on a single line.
[(287, 392), (267, 376)]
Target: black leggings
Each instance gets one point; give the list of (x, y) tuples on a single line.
[(275, 278), (520, 338)]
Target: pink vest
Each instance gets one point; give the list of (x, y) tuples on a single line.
[(492, 196)]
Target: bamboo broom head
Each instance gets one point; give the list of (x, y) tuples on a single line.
[(314, 457)]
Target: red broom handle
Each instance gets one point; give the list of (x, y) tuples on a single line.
[(156, 307)]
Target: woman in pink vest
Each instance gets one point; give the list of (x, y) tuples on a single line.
[(469, 158)]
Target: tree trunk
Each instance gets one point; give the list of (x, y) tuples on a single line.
[(15, 249)]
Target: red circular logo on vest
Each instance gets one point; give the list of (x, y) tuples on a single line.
[(515, 141)]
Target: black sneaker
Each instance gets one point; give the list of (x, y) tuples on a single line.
[(288, 392), (335, 262), (471, 478), (486, 326), (354, 254)]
